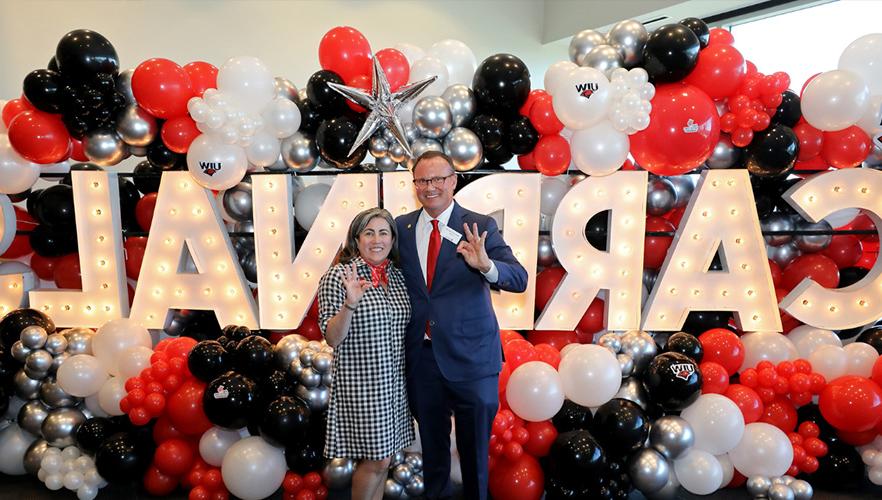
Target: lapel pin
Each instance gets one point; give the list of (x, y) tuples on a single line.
[(409, 226)]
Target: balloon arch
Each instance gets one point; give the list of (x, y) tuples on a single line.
[(587, 410)]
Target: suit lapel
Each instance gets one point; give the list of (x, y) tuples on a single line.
[(407, 246)]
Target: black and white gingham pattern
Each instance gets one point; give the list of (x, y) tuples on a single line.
[(368, 416)]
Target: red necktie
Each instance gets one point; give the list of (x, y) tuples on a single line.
[(431, 260)]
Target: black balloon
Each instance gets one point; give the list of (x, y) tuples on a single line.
[(31, 203), (15, 321), (147, 177), (850, 275), (254, 356), (328, 102), (789, 111), (489, 130), (306, 458), (52, 65), (501, 85), (42, 88), (686, 344), (194, 323), (596, 230), (576, 457), (698, 322), (673, 381), (698, 27), (83, 53), (335, 137), (276, 385), (872, 336), (310, 119), (571, 417), (620, 426), (285, 422), (812, 413), (521, 137), (93, 432), (162, 157), (229, 400), (128, 200), (55, 207), (49, 242), (772, 152), (66, 179), (841, 468), (498, 156), (208, 359), (123, 458), (670, 53)]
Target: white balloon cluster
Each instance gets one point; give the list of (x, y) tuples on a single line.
[(452, 61), (824, 350), (871, 454), (309, 362), (242, 122), (631, 93), (70, 469)]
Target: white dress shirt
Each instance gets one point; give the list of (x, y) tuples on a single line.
[(424, 232)]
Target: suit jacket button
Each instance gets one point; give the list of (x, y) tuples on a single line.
[(431, 322)]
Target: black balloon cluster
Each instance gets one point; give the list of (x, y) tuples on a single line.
[(335, 125)]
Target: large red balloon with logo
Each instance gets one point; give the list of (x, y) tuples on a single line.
[(345, 51), (683, 129), (39, 137), (719, 71), (852, 403), (522, 478)]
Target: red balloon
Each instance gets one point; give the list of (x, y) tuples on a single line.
[(522, 478), (592, 320), (656, 247), (44, 267), (507, 336), (345, 51), (547, 354), (504, 375), (158, 484), (852, 403), (178, 133), (395, 66), (144, 210), (846, 148), (163, 430), (76, 151), (13, 108), (134, 248), (527, 161), (777, 274), (531, 100), (203, 76), (715, 379), (362, 82), (781, 413), (67, 272), (542, 436), (723, 347), (518, 352), (162, 88), (542, 116), (21, 243), (184, 409), (546, 283), (310, 329), (719, 71), (720, 36), (555, 338), (788, 322), (844, 249), (864, 222), (747, 400), (858, 438), (684, 128), (815, 266), (552, 154), (174, 457), (39, 137), (811, 140), (877, 371)]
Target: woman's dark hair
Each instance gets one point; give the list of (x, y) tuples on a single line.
[(359, 223)]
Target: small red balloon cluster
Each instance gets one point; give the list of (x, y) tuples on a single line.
[(515, 446), (807, 447), (790, 378), (306, 487), (507, 437), (752, 106), (205, 483), (551, 155)]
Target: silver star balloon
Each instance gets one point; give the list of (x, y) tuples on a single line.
[(383, 105)]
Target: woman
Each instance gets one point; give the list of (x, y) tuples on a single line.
[(363, 311)]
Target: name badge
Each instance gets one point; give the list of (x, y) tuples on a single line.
[(450, 234)]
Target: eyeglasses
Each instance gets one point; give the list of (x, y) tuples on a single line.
[(434, 181)]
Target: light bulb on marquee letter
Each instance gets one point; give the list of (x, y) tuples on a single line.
[(815, 198), (187, 219), (104, 295), (720, 214), (619, 271), (518, 196), (399, 195), (288, 283)]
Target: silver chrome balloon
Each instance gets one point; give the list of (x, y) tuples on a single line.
[(422, 145), (432, 117), (61, 425), (327, 379), (611, 341), (79, 340), (649, 278), (626, 364), (649, 470), (462, 103), (286, 350), (810, 243), (306, 356), (397, 458), (629, 37), (671, 436), (248, 263), (802, 490), (338, 472), (669, 491), (780, 492), (632, 389), (317, 398), (402, 473), (415, 460), (777, 222), (397, 153), (660, 196), (54, 396), (411, 133), (124, 85), (32, 415), (33, 337), (56, 344), (546, 255), (300, 152), (603, 58), (35, 374), (464, 149), (136, 127), (34, 455), (104, 148), (385, 164), (26, 387), (19, 351), (310, 378), (39, 361), (391, 489), (322, 362), (641, 347), (416, 487), (238, 202), (683, 188), (758, 485), (784, 254), (583, 42), (725, 154), (378, 147), (284, 88)]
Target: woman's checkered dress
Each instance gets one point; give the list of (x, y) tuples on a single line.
[(368, 416)]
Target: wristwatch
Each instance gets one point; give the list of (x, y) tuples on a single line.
[(351, 308)]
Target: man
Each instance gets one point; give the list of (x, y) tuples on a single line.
[(451, 257)]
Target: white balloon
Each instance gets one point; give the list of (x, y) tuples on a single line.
[(215, 442), (110, 395), (842, 217), (216, 164), (412, 52), (132, 360), (699, 472), (247, 82), (17, 175), (771, 346), (428, 67), (552, 190), (14, 442), (116, 336), (253, 469), (282, 117), (831, 361), (94, 405), (716, 421), (600, 150), (308, 203), (264, 149), (864, 57), (807, 338), (29, 279), (591, 375), (834, 100), (764, 450), (728, 468), (82, 375), (458, 58), (860, 359), (534, 391), (556, 76), (582, 99)]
